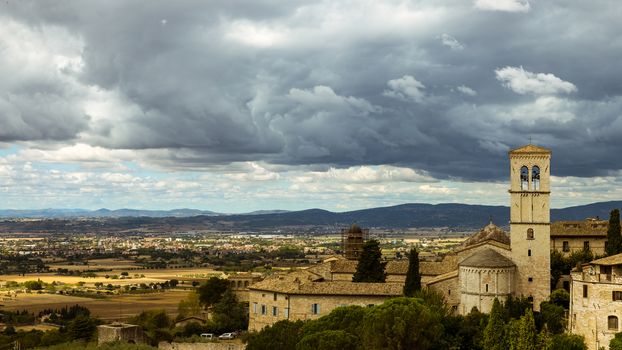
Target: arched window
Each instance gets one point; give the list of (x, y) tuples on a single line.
[(530, 233), (535, 178), (612, 323), (524, 178)]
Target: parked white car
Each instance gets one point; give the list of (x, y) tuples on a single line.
[(207, 335), (227, 336)]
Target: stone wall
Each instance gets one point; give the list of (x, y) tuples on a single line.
[(120, 332), (201, 346), (298, 307)]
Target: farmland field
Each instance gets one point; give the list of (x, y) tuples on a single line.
[(117, 307)]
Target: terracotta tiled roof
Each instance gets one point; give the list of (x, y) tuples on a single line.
[(489, 232), (487, 258), (609, 260), (343, 266), (591, 228), (445, 276), (531, 149), (307, 283), (434, 268)]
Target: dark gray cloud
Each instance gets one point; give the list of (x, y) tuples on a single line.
[(307, 83)]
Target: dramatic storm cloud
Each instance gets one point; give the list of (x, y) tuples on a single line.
[(344, 104)]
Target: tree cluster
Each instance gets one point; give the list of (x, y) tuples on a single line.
[(425, 322), (614, 234), (369, 267)]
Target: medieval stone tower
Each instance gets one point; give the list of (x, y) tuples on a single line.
[(530, 229)]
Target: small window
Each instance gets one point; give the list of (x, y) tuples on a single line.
[(616, 295), (486, 287), (530, 234), (254, 308), (530, 279), (449, 292), (275, 311), (612, 323), (585, 291), (263, 309), (274, 297), (528, 252), (566, 247), (586, 245), (315, 309)]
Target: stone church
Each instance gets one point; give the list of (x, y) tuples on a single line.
[(491, 264)]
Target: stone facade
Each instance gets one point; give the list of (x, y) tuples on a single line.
[(120, 332), (596, 301), (305, 295), (530, 230), (571, 236), (225, 345)]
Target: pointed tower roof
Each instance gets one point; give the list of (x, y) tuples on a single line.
[(530, 149)]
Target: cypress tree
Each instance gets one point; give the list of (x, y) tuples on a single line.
[(614, 237), (413, 277), (494, 333), (369, 268)]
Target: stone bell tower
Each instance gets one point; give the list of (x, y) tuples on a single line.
[(530, 223)]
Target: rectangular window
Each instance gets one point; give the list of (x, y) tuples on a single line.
[(263, 309), (486, 287), (315, 309), (254, 308), (586, 245), (530, 279), (566, 246), (616, 295), (528, 252), (612, 323), (286, 312), (275, 311), (274, 297), (585, 291)]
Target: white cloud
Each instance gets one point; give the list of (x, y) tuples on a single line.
[(406, 88), (503, 5), (324, 98), (366, 174), (523, 82), (466, 90), (451, 42)]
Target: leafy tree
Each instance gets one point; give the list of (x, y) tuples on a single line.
[(494, 333), (281, 335), (566, 341), (413, 276), (401, 323), (560, 297), (544, 339), (559, 266), (469, 334), (614, 235), (329, 340), (553, 317), (346, 318), (211, 291), (369, 268), (616, 342), (33, 285), (229, 314), (82, 327), (527, 335), (190, 306)]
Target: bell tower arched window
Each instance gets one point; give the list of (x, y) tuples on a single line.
[(524, 178), (535, 178)]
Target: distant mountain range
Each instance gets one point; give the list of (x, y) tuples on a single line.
[(459, 216)]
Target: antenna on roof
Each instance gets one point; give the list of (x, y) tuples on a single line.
[(490, 218), (530, 139)]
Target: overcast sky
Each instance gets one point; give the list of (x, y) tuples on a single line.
[(236, 106)]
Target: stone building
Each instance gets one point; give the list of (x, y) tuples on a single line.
[(570, 236), (120, 332), (596, 301), (306, 294), (490, 264)]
